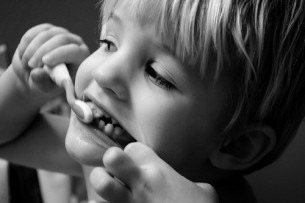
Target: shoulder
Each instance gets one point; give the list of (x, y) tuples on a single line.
[(234, 189)]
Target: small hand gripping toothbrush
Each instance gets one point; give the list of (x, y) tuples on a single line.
[(61, 77)]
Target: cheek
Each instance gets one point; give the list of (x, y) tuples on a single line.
[(170, 129)]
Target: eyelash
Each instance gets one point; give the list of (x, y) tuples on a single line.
[(158, 79), (108, 43)]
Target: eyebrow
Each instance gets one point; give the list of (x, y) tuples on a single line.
[(115, 17), (163, 46)]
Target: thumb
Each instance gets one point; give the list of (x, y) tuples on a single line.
[(39, 79)]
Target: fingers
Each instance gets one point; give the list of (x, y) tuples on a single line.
[(119, 175), (56, 43), (137, 174), (69, 53), (53, 44), (29, 36), (40, 41), (39, 79), (108, 187), (120, 165), (45, 43)]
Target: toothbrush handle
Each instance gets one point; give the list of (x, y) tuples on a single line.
[(60, 75)]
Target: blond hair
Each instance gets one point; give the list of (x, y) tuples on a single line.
[(262, 39)]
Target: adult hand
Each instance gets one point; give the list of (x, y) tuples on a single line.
[(137, 175)]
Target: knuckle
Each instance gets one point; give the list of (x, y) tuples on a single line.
[(29, 34), (77, 37), (26, 38), (151, 178), (85, 50), (46, 25), (74, 47), (58, 29), (104, 186), (45, 34), (62, 38), (156, 173)]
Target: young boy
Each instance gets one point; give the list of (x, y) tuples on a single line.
[(212, 88)]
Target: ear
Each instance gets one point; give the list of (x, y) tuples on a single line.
[(244, 150)]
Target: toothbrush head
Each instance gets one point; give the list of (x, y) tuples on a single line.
[(82, 110)]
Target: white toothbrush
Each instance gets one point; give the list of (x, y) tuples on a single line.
[(61, 77)]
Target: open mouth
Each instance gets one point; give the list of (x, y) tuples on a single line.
[(109, 126)]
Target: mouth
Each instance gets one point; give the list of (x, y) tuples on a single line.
[(107, 125)]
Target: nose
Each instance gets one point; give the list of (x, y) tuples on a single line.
[(114, 76)]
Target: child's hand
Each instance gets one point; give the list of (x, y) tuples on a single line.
[(46, 44), (137, 175)]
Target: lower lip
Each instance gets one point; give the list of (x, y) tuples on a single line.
[(94, 136), (85, 144)]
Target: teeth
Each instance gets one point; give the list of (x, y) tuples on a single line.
[(97, 114), (101, 124), (109, 128), (105, 125)]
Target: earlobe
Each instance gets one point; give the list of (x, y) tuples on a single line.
[(244, 150)]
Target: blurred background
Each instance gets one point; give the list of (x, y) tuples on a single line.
[(282, 182), (78, 16)]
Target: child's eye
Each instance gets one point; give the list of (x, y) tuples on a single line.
[(107, 45), (158, 79)]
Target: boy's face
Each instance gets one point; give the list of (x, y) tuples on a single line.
[(154, 97)]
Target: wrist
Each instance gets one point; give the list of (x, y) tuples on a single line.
[(20, 87), (17, 107)]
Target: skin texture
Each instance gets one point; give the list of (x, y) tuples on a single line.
[(178, 118), (42, 142), (177, 123)]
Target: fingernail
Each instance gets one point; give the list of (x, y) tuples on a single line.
[(45, 59), (31, 63)]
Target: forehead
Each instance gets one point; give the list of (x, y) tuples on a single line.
[(192, 30)]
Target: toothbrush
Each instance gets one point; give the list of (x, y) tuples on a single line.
[(61, 77)]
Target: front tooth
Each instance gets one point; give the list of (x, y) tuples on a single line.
[(101, 124), (97, 114), (109, 128)]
